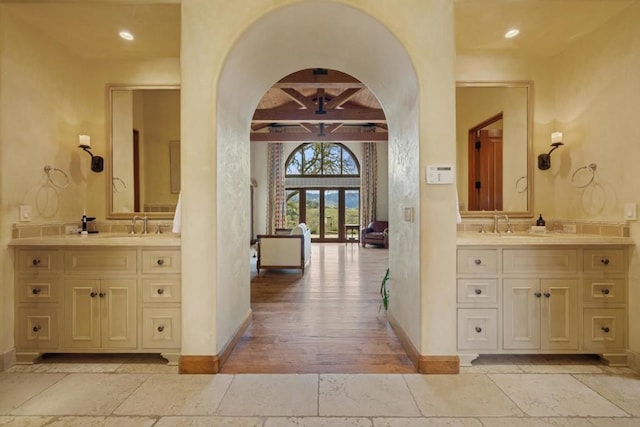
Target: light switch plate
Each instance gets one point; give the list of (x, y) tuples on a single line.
[(630, 211), (25, 213)]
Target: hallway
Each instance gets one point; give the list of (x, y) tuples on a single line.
[(326, 321)]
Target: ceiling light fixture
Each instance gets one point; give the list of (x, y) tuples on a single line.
[(126, 35), (511, 33)]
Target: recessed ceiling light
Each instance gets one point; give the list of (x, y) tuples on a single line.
[(512, 33), (126, 35)]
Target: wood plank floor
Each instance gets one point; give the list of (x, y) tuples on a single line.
[(326, 321)]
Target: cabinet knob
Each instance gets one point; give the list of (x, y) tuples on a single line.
[(160, 291), (160, 262), (538, 294), (35, 261), (35, 291), (478, 291), (605, 291), (478, 329), (547, 295), (160, 328), (36, 328), (605, 329), (604, 261), (478, 261), (102, 294), (93, 294)]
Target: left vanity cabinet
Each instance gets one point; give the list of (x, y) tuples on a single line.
[(39, 292), (97, 299)]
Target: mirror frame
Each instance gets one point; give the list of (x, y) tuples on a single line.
[(109, 88), (527, 84)]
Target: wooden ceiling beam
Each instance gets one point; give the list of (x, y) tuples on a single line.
[(349, 116), (302, 137), (342, 98), (319, 79), (298, 97)]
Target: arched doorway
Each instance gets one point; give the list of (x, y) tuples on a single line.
[(358, 45)]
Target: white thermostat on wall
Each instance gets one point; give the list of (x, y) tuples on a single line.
[(440, 174)]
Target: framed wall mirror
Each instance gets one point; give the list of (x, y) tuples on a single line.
[(494, 123), (143, 131)]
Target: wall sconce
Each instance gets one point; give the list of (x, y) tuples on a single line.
[(97, 162), (544, 159)]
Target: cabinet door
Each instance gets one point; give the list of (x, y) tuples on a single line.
[(559, 314), (82, 314), (521, 314), (118, 313)]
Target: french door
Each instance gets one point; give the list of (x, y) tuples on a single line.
[(324, 210)]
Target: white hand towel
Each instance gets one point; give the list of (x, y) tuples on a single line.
[(177, 216)]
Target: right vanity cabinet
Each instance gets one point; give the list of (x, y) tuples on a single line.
[(542, 299)]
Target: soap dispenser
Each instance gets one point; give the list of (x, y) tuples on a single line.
[(540, 222)]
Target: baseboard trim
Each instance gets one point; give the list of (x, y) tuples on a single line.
[(7, 360), (206, 364), (425, 364), (633, 360)]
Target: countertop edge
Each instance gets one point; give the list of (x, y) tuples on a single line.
[(100, 240), (550, 239)]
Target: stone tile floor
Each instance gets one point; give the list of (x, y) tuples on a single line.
[(496, 392)]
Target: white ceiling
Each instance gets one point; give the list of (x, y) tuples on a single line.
[(90, 27)]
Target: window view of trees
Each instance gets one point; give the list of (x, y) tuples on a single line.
[(324, 208)]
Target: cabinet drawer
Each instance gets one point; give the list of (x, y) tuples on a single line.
[(37, 328), (30, 260), (539, 261), (477, 329), (478, 291), (603, 291), (161, 289), (161, 328), (604, 329), (609, 260), (107, 261), (161, 261), (39, 289), (477, 261)]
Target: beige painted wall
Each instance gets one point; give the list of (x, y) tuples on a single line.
[(597, 94)]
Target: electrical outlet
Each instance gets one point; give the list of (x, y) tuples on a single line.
[(569, 228), (25, 213), (630, 212)]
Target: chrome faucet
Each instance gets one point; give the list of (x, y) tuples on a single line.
[(145, 224), (496, 219)]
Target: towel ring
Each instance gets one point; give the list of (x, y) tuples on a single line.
[(61, 182), (591, 167), (521, 184), (118, 188)]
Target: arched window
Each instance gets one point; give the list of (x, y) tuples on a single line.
[(322, 182), (321, 159)]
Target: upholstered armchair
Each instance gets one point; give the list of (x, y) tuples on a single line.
[(376, 233)]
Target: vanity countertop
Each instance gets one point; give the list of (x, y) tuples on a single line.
[(101, 239), (538, 239)]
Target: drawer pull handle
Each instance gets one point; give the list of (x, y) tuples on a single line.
[(538, 294), (160, 262), (36, 328), (605, 291), (547, 295), (478, 261), (605, 261), (478, 291), (605, 329), (35, 261), (102, 294), (160, 328), (93, 294), (35, 291), (160, 291), (478, 329)]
